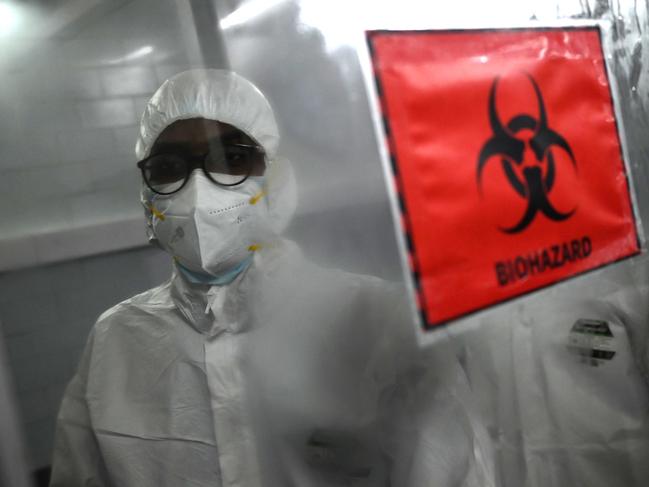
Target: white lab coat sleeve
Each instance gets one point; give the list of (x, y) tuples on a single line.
[(431, 432), (77, 460), (441, 440), (630, 299)]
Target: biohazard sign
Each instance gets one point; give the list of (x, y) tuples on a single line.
[(506, 159)]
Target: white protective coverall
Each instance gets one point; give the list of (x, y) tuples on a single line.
[(562, 384), (290, 375)]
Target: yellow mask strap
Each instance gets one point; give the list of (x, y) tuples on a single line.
[(157, 214), (255, 199)]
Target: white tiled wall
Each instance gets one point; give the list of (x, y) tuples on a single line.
[(70, 104), (46, 314)]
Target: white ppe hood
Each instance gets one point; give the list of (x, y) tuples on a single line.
[(223, 96)]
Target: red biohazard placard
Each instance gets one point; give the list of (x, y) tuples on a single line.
[(506, 159)]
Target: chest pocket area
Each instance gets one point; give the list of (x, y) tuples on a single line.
[(341, 458)]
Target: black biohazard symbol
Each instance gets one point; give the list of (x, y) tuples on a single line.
[(509, 144)]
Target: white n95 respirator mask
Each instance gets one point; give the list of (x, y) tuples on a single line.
[(208, 228)]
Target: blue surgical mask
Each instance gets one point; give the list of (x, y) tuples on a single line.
[(222, 279)]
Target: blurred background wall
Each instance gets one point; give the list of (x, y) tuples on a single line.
[(74, 78)]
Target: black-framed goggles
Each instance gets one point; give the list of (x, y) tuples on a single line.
[(226, 165)]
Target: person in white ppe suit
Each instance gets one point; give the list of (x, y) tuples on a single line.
[(252, 366), (562, 383)]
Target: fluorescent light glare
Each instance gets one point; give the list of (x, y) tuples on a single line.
[(138, 53), (132, 56), (247, 12), (9, 18)]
